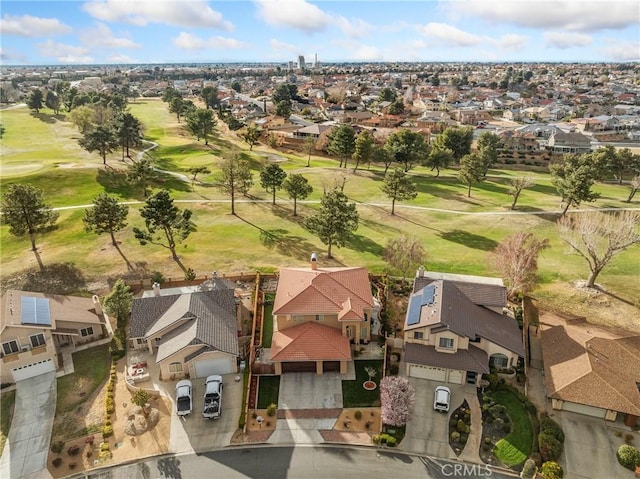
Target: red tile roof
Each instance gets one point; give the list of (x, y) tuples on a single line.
[(342, 291), (310, 342)]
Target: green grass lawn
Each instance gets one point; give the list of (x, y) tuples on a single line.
[(353, 394), (268, 389), (516, 447), (265, 237), (7, 402), (267, 321), (91, 370)]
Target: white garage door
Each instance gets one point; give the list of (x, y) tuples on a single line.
[(31, 370), (207, 367), (427, 372), (456, 376), (583, 409)]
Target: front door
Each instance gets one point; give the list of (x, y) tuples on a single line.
[(471, 377)]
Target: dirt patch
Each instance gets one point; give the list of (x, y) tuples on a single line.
[(268, 423), (91, 415), (367, 421)]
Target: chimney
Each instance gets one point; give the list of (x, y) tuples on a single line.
[(314, 261), (421, 272), (156, 289), (96, 304)]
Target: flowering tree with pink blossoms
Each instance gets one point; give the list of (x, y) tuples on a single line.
[(397, 398)]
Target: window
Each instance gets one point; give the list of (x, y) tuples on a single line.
[(319, 317), (364, 333), (418, 335), (10, 347), (37, 340), (86, 331), (446, 343), (297, 317), (499, 361), (175, 367), (140, 340)]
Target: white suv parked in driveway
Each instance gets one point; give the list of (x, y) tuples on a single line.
[(441, 399)]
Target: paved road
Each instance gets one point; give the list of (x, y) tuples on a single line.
[(313, 462)]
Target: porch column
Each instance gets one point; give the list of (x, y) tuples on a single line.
[(278, 368), (343, 367), (150, 345), (318, 367)]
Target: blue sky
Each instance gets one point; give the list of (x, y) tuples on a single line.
[(161, 31)]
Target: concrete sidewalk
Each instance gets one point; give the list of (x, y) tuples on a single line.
[(27, 447), (471, 451)]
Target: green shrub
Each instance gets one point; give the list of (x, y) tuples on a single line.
[(391, 441), (57, 447), (56, 462), (550, 427), (357, 415), (535, 456), (628, 438), (455, 436), (487, 440), (552, 470), (110, 406), (107, 431), (461, 426), (157, 277), (628, 456), (110, 387), (104, 446), (376, 438), (550, 448), (271, 409), (497, 410)]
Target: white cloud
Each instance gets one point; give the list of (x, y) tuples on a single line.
[(101, 36), (64, 53), (512, 41), (194, 13), (297, 14), (279, 46), (189, 41), (28, 26), (564, 40), (621, 51), (356, 51), (588, 16), (451, 35), (357, 28), (121, 59)]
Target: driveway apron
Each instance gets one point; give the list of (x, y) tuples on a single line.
[(25, 452)]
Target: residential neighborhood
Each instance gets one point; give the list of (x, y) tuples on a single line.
[(436, 260)]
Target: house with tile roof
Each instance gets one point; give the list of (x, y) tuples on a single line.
[(37, 328), (455, 328), (591, 369), (562, 143), (317, 314), (191, 334)]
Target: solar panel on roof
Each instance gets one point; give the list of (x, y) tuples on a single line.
[(413, 315), (429, 294), (35, 311)]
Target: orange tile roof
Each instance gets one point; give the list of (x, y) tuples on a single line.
[(589, 364), (342, 291), (310, 342)]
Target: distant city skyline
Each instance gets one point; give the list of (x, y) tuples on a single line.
[(58, 32)]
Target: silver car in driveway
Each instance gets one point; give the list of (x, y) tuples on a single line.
[(441, 399)]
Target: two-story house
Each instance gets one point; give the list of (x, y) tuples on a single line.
[(317, 313), (190, 334), (455, 328), (36, 327)]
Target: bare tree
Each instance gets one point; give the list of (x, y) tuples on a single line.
[(404, 254), (635, 186), (517, 185), (599, 236), (516, 258)]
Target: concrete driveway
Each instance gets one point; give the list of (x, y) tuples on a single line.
[(589, 447), (195, 433), (25, 452), (428, 431), (310, 391)]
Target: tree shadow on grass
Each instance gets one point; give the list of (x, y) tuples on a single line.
[(544, 189), (43, 117), (57, 278), (286, 244), (469, 239), (363, 244), (409, 220)]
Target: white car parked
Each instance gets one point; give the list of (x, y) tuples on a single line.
[(441, 399)]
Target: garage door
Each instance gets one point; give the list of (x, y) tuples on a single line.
[(299, 367), (207, 367), (34, 369), (583, 409), (456, 376), (427, 372)]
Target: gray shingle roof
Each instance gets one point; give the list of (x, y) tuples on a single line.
[(472, 359), (461, 315), (213, 313)]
